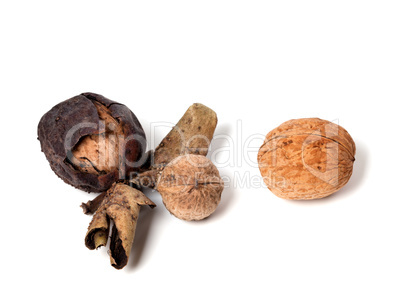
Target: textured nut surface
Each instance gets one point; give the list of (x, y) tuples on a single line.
[(306, 158), (190, 187)]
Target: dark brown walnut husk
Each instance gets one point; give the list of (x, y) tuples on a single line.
[(121, 204), (91, 141), (190, 187), (307, 158)]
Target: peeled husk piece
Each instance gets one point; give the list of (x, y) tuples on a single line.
[(121, 204), (91, 206), (306, 159), (191, 135)]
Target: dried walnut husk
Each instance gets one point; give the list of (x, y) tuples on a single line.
[(306, 159), (190, 187), (91, 141), (191, 135), (121, 204), (91, 206)]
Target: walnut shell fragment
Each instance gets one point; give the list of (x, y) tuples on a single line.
[(306, 159), (121, 204), (191, 135), (190, 187), (91, 141)]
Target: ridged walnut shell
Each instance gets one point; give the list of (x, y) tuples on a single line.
[(305, 159), (190, 187), (74, 133)]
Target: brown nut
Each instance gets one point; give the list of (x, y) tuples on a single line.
[(306, 159), (91, 141), (190, 187)]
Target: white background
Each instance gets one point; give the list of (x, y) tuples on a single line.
[(257, 64)]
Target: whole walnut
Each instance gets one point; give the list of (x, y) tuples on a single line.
[(91, 141), (306, 159), (190, 187)]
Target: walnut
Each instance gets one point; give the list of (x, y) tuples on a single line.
[(306, 159), (190, 187), (91, 141)]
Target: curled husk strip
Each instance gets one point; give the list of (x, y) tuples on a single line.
[(121, 204)]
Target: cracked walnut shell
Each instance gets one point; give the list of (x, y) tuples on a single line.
[(305, 159)]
